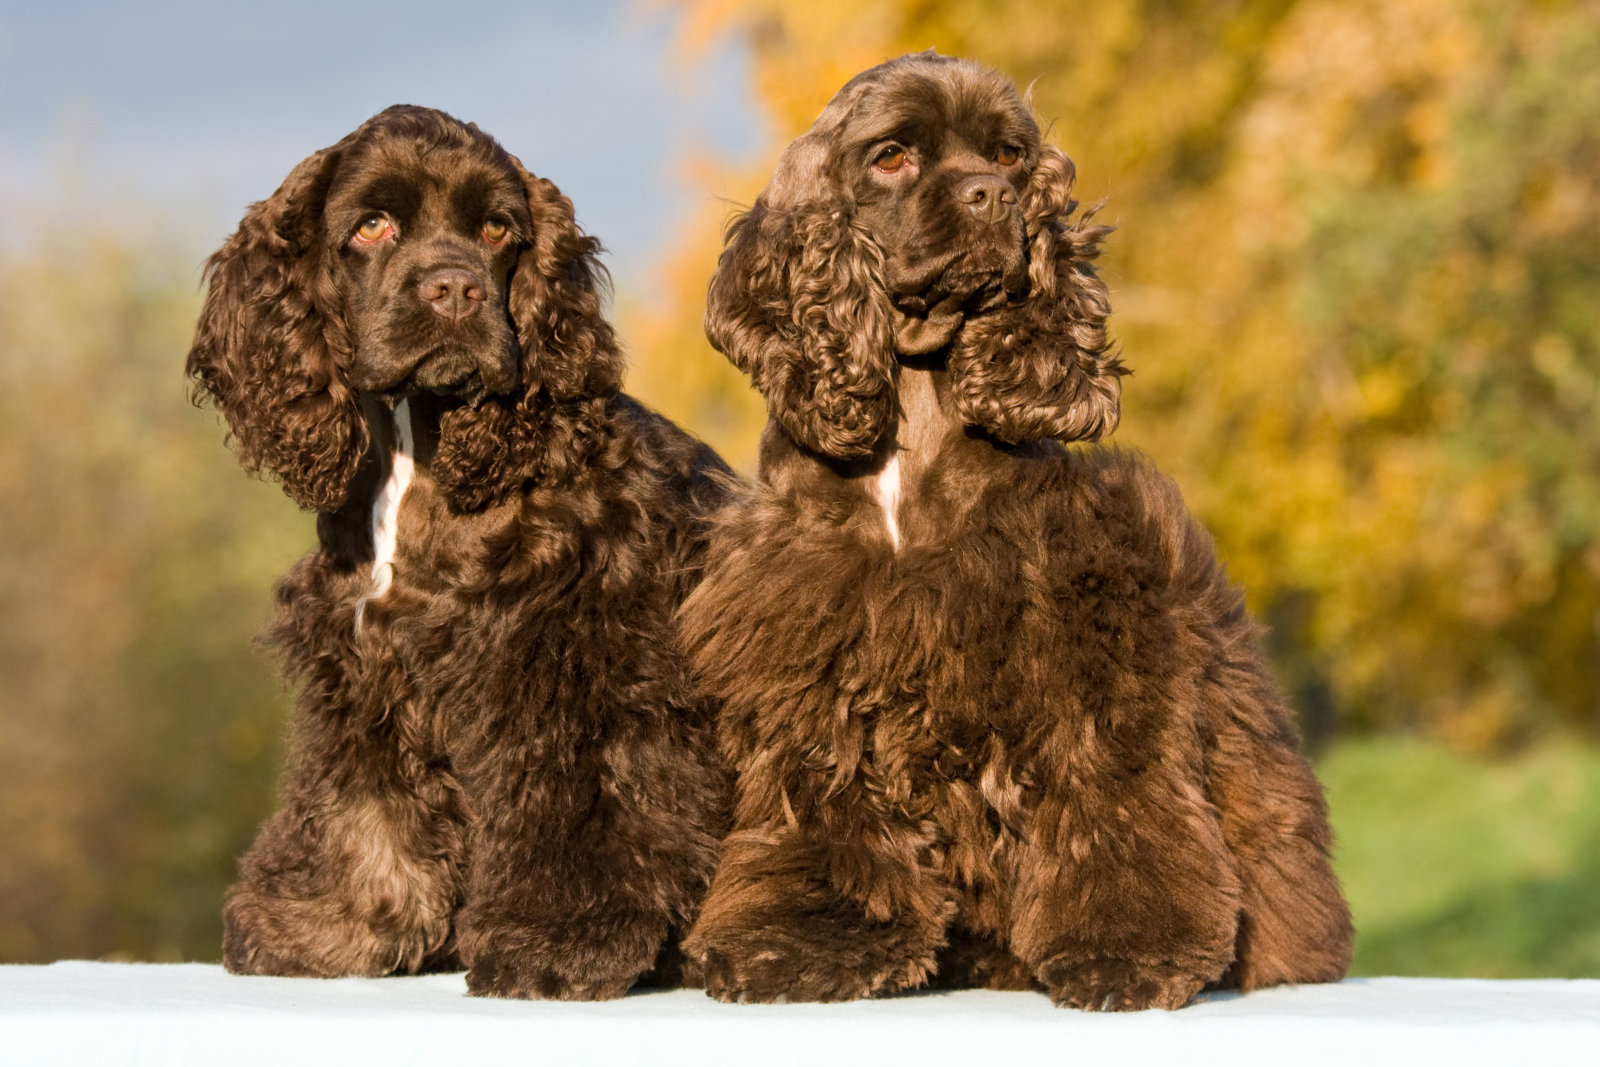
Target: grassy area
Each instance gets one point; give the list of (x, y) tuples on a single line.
[(1459, 867)]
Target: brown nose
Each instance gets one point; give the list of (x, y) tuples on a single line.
[(988, 197), (452, 292)]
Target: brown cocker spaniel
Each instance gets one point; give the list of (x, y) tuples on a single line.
[(497, 759), (997, 716)]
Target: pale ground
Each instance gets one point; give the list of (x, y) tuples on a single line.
[(105, 1013)]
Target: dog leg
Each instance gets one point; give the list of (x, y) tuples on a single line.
[(1126, 897), (819, 917), (1295, 925), (829, 888), (359, 870), (582, 871), (344, 885)]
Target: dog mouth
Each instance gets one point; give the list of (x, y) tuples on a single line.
[(449, 372), (933, 299), (469, 372), (927, 321), (920, 332)]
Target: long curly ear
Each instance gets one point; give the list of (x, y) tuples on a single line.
[(557, 288), (488, 453), (571, 368), (1043, 367), (798, 303), (270, 346)]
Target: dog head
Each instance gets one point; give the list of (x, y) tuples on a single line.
[(415, 255), (922, 216)]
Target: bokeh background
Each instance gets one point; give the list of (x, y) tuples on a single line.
[(1356, 272)]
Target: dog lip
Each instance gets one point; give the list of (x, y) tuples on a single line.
[(926, 322), (916, 335), (479, 379), (991, 299), (443, 370), (961, 275), (913, 284), (963, 292)]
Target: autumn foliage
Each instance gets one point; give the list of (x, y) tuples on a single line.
[(1355, 275)]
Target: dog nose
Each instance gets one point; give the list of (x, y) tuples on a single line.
[(452, 292), (988, 197)]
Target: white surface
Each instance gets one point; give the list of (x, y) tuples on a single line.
[(107, 1013)]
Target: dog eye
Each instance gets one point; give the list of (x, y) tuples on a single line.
[(495, 231), (374, 228), (891, 159), (1007, 155)]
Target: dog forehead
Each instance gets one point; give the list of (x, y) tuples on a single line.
[(936, 97), (937, 101), (404, 177)]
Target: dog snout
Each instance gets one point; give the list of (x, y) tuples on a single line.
[(988, 197), (453, 293)]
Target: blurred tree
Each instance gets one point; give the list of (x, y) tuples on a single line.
[(138, 731), (1446, 276), (1355, 278)]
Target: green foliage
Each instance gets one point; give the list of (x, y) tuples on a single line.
[(1460, 867), (140, 730)]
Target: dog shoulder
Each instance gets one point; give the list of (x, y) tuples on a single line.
[(677, 482), (1123, 488), (659, 441), (1119, 484)]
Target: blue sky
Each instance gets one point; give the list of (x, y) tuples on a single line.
[(191, 110)]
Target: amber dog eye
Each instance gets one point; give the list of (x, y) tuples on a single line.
[(891, 159), (374, 228), (1007, 155), (494, 232)]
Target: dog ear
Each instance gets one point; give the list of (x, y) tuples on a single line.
[(271, 350), (557, 290), (798, 303), (1043, 368), (571, 368)]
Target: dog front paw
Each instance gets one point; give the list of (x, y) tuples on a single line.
[(759, 971), (264, 935), (1105, 984), (810, 958), (515, 976), (246, 951)]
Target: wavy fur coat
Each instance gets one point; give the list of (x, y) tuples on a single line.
[(497, 759), (997, 716)]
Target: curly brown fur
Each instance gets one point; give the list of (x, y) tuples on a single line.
[(497, 759), (996, 714)]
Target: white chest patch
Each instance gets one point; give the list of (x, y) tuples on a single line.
[(885, 487), (386, 509)]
